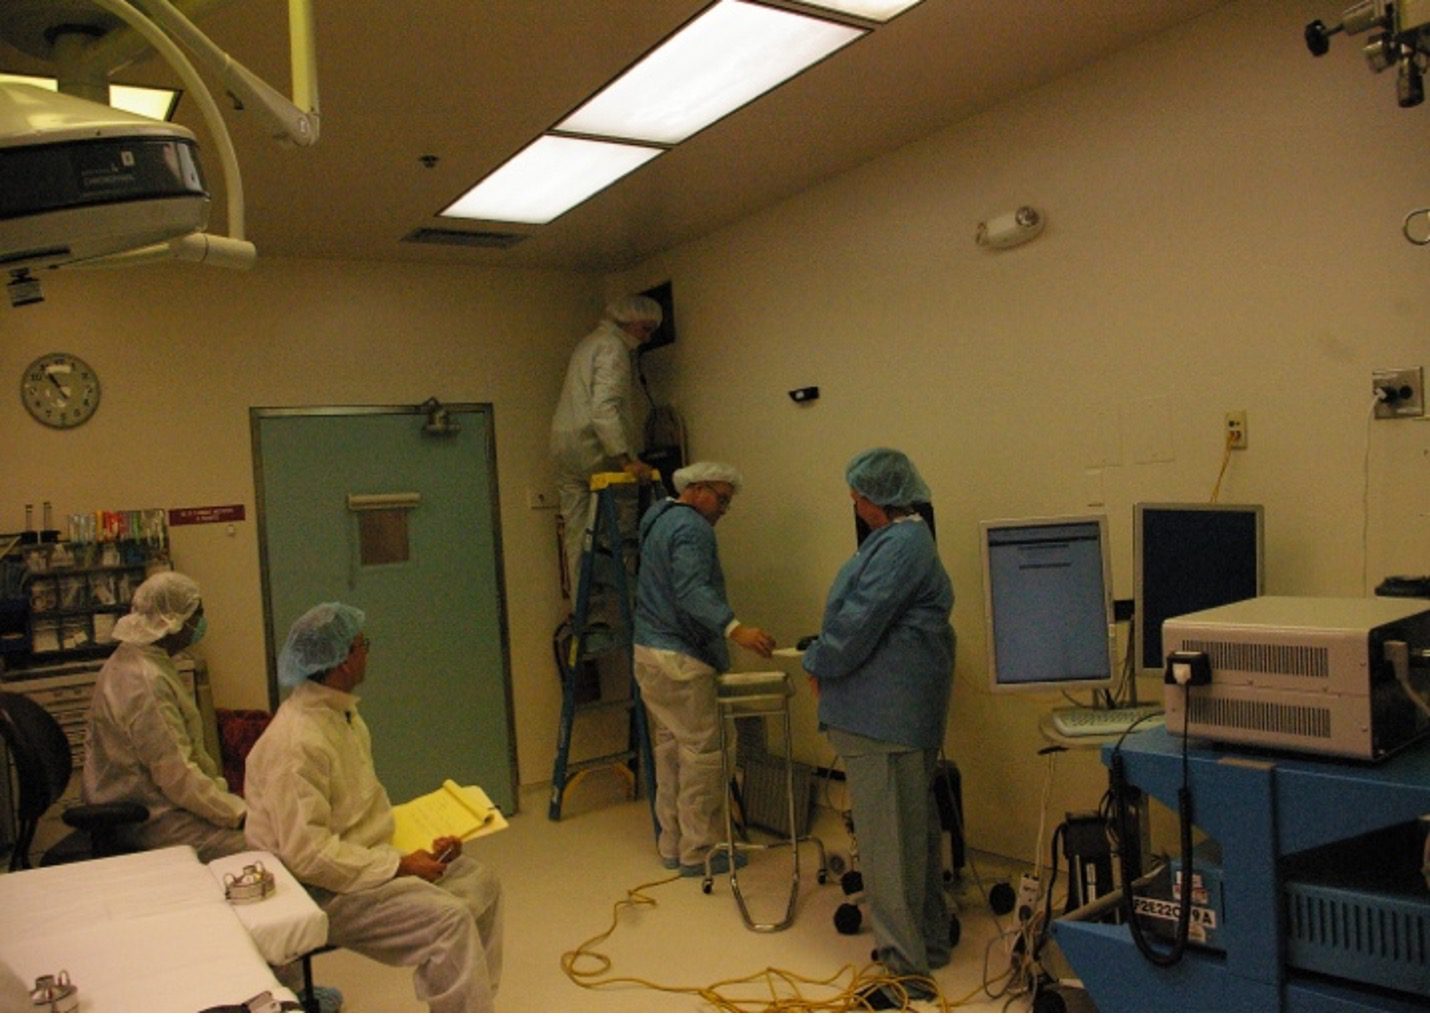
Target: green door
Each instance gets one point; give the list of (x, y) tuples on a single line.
[(365, 506)]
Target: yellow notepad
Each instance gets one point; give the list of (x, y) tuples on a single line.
[(450, 811)]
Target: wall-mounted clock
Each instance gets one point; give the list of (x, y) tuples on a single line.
[(60, 390)]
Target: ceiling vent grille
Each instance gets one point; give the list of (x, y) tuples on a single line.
[(1255, 715), (463, 238), (1262, 658)]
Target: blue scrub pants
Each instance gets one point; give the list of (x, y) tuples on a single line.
[(896, 822)]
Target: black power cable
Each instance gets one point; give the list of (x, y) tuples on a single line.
[(1122, 794)]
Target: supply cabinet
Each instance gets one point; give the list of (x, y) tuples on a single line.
[(1261, 808), (62, 598)]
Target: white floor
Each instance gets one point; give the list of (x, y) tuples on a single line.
[(561, 882)]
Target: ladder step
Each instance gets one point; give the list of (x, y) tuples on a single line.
[(605, 704), (598, 761)]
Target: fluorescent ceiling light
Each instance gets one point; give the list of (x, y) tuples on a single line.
[(155, 103), (547, 177), (730, 54), (870, 10)]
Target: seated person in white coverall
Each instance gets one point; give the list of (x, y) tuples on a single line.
[(594, 427), (315, 801), (144, 739), (682, 622)]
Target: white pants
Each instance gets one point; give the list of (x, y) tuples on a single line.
[(679, 695), (451, 931), (177, 828)]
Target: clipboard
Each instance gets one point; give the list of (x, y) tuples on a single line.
[(449, 811)]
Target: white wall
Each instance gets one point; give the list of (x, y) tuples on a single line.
[(1224, 234), (184, 351)]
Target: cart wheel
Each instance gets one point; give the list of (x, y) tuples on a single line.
[(955, 931), (852, 882), (706, 884), (838, 864), (1001, 898), (821, 877), (847, 919)]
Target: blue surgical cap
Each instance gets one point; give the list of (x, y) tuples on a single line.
[(318, 641), (886, 477)]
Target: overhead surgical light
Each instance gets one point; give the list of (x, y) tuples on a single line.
[(83, 183), (154, 103)]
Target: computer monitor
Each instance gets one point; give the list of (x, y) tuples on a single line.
[(1189, 557), (1047, 586)]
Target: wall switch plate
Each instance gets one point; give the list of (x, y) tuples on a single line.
[(1399, 392), (1236, 428)]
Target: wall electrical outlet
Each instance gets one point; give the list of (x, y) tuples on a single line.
[(1399, 392), (1236, 428)]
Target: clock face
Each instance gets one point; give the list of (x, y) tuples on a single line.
[(60, 390)]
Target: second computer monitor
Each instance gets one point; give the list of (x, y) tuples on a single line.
[(1189, 557), (1048, 604)]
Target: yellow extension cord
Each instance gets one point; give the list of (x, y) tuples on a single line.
[(773, 990)]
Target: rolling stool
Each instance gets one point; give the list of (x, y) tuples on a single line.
[(757, 694)]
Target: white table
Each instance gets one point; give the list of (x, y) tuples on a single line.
[(142, 932)]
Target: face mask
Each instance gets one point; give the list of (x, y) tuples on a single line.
[(199, 630)]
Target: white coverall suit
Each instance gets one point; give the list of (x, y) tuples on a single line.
[(315, 802), (594, 426), (144, 743)]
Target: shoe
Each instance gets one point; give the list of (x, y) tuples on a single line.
[(718, 865), (877, 999), (669, 863), (329, 999)]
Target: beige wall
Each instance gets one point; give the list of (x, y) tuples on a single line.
[(1224, 234), (184, 351)]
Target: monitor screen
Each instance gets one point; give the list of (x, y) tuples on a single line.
[(1188, 558), (1047, 587)]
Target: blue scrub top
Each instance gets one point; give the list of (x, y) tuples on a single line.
[(680, 597), (884, 655)]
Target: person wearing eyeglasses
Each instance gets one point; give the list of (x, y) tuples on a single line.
[(882, 667), (316, 803), (683, 620)]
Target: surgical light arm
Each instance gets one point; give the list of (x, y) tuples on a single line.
[(295, 121)]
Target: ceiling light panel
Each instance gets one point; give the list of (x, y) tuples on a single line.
[(155, 103), (547, 177), (730, 54), (869, 10)]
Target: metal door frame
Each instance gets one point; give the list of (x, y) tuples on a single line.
[(256, 414)]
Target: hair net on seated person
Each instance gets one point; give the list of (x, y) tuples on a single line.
[(634, 308), (318, 641), (160, 606), (707, 473), (886, 477)]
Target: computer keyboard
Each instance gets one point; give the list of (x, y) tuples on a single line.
[(1089, 722)]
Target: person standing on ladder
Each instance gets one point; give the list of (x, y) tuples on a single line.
[(682, 622), (594, 428)]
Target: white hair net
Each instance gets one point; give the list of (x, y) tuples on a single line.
[(886, 477), (161, 605), (634, 308), (318, 641), (707, 473)]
